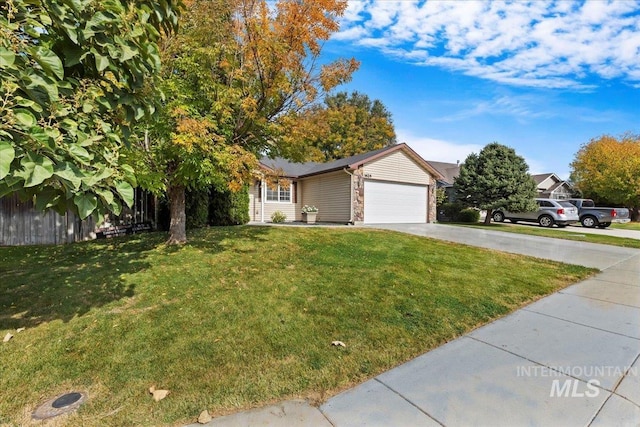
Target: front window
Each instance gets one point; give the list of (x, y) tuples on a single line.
[(281, 193)]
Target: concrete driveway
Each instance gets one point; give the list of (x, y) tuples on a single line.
[(567, 251), (570, 359)]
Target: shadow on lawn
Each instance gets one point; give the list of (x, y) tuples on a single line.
[(39, 284), (44, 283)]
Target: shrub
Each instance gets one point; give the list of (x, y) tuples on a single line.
[(209, 207), (450, 211), (278, 217), (229, 208), (197, 208), (469, 215)]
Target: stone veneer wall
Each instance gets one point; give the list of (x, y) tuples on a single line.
[(431, 203), (358, 196)]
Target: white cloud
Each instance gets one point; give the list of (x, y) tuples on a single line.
[(523, 108), (436, 149), (540, 44), (526, 108), (537, 167)]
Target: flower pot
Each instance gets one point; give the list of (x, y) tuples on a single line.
[(310, 217)]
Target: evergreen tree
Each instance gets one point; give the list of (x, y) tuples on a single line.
[(496, 178)]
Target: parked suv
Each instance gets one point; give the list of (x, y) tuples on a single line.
[(550, 211)]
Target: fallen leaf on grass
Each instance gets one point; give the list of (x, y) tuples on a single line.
[(158, 395), (338, 343), (204, 417), (7, 337)]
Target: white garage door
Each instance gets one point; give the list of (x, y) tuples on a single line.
[(386, 202)]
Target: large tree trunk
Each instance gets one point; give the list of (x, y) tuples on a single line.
[(178, 225), (487, 219)]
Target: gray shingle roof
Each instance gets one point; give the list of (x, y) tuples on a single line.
[(290, 169), (300, 170), (449, 171), (541, 177)]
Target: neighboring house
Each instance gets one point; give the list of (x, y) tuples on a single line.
[(550, 186), (390, 185), (449, 172)]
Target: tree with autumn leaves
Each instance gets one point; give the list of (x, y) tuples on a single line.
[(344, 126), (608, 168), (235, 77)]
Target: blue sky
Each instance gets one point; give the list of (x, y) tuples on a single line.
[(541, 77)]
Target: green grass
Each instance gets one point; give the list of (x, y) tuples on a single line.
[(239, 317), (535, 230), (627, 226)]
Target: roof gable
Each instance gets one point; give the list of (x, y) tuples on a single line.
[(542, 177), (301, 170)]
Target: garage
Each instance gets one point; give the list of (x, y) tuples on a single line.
[(392, 202)]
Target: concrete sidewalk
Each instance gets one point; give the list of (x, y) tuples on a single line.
[(570, 359)]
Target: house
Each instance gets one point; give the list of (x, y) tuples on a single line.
[(449, 172), (389, 185), (550, 186)]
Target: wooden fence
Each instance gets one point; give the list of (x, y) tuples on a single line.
[(22, 224)]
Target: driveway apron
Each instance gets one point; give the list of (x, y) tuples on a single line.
[(570, 359)]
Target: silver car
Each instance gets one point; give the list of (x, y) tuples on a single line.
[(550, 212)]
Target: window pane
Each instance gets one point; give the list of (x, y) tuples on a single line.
[(272, 195), (285, 194)]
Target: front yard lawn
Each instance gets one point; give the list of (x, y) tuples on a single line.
[(239, 317)]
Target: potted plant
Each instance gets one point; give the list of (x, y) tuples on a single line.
[(309, 214)]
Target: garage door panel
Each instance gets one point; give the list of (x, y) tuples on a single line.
[(386, 202)]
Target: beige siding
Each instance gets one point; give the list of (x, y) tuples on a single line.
[(547, 183), (254, 202), (290, 209), (331, 194), (398, 167)]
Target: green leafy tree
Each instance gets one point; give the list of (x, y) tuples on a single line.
[(608, 168), (441, 196), (72, 83), (496, 178), (234, 77), (346, 125)]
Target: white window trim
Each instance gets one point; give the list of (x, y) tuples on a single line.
[(289, 202)]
